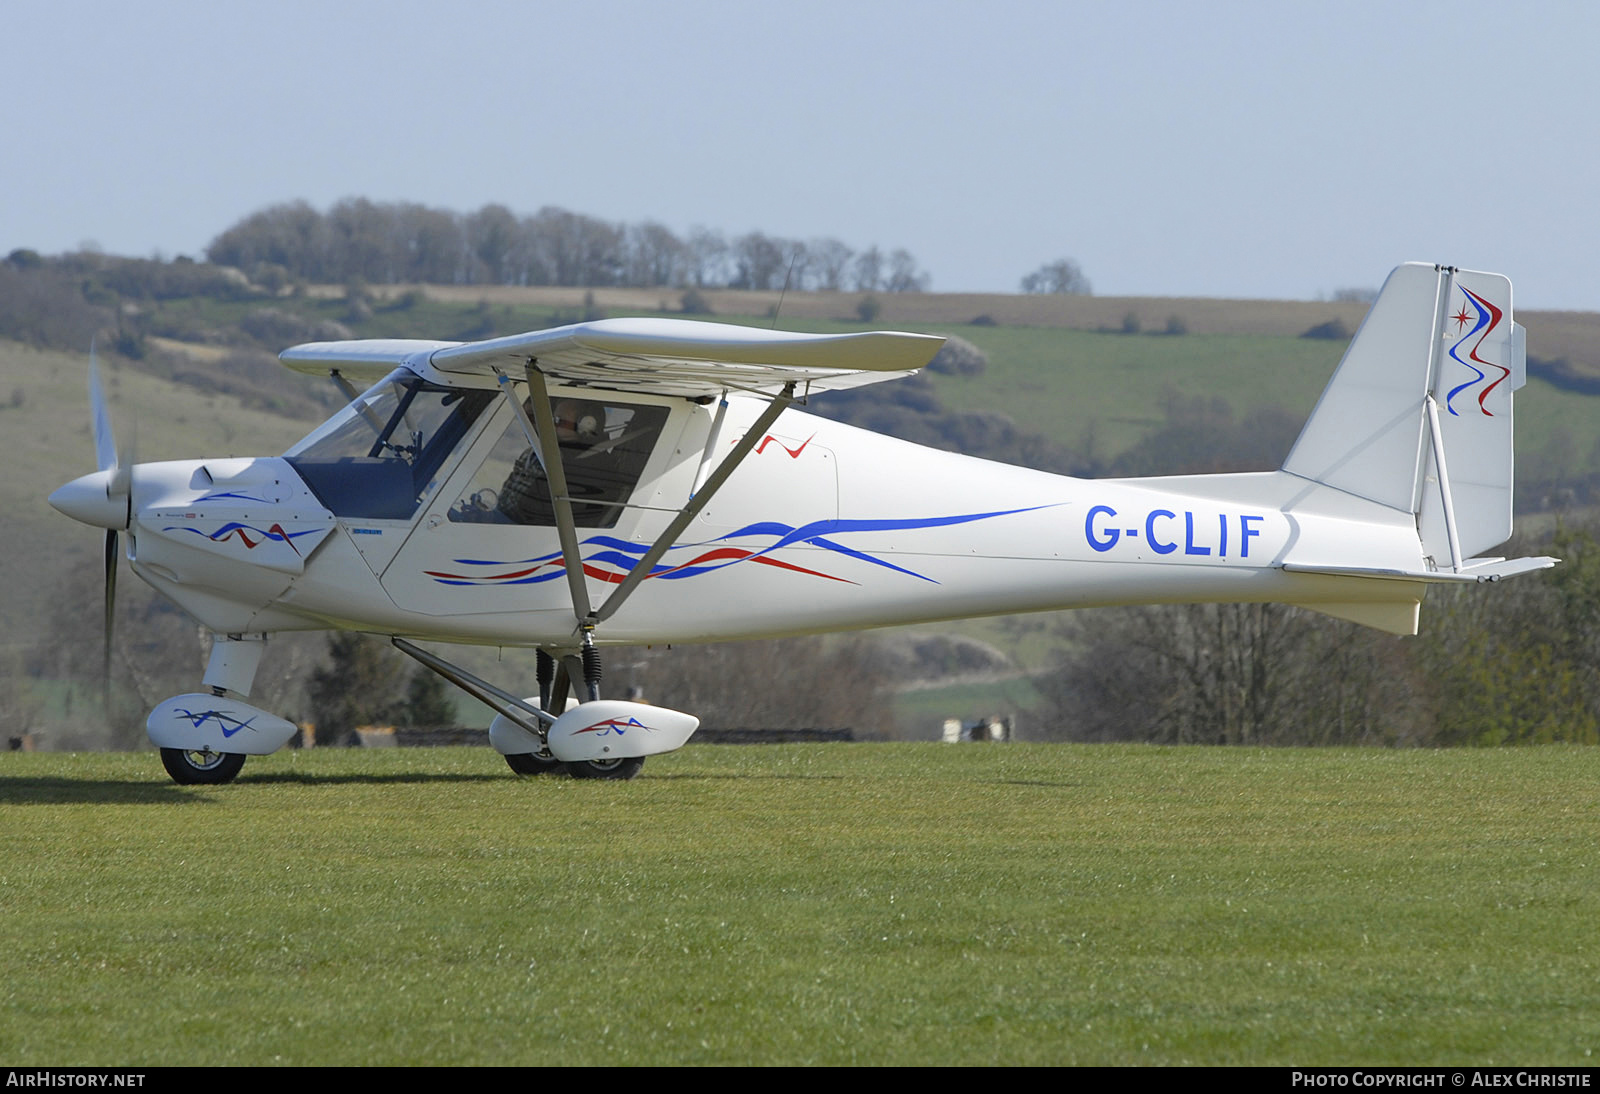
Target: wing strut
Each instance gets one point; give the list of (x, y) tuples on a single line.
[(549, 449), (522, 418), (702, 497), (520, 711)]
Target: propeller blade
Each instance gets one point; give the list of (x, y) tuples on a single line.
[(119, 461), (112, 547), (105, 445)]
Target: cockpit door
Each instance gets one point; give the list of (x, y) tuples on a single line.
[(487, 543)]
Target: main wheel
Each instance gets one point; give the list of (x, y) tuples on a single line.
[(191, 768), (531, 763), (624, 768)]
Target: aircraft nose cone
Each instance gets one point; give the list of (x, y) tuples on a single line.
[(89, 499)]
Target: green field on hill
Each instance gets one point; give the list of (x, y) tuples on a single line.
[(806, 904), (1092, 391)]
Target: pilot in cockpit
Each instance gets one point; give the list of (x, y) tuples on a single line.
[(525, 497)]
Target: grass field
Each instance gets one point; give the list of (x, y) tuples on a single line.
[(828, 904)]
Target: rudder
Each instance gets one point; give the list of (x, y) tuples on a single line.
[(1426, 384)]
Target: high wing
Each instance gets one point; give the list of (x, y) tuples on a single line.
[(659, 356)]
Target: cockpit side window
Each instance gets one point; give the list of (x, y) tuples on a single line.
[(604, 449), (380, 457)]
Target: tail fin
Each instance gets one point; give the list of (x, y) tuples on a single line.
[(1418, 415)]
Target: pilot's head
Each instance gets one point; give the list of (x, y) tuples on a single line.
[(579, 421)]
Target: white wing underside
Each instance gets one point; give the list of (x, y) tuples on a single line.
[(659, 356)]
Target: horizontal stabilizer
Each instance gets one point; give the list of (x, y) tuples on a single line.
[(1474, 571)]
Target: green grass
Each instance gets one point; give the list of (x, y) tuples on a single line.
[(828, 904)]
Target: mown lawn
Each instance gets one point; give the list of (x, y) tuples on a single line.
[(829, 904)]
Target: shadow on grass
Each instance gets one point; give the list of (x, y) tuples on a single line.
[(54, 790), (359, 779), (741, 776)]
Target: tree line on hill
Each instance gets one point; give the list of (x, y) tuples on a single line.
[(387, 243)]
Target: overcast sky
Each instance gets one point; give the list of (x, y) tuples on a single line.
[(1209, 149)]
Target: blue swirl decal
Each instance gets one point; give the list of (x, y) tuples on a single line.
[(611, 559)]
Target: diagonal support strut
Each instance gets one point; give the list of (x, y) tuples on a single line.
[(702, 497), (555, 474)]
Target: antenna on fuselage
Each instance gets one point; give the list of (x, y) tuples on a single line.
[(785, 290)]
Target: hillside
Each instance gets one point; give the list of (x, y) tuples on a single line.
[(1059, 370), (1574, 336)]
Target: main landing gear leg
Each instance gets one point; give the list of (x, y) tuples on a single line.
[(522, 731), (541, 763), (588, 664)]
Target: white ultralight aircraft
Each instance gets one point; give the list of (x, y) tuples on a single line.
[(636, 481)]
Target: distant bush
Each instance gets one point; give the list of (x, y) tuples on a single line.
[(271, 277), (1061, 276), (694, 302), (129, 343), (1334, 330), (152, 279), (1360, 296), (984, 320), (1175, 325), (1131, 323), (959, 357), (357, 302), (868, 308)]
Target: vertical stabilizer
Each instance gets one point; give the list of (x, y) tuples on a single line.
[(1365, 436), (1418, 415)]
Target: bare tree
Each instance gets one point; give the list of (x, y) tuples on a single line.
[(904, 275), (707, 257), (830, 263), (431, 243), (868, 270), (491, 236), (361, 236), (576, 249), (1233, 674), (654, 256), (759, 261)]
